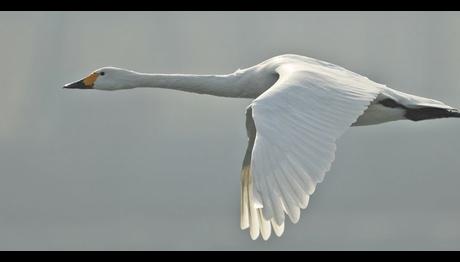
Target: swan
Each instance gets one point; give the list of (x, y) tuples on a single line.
[(300, 107)]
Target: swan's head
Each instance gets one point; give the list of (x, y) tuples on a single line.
[(106, 78)]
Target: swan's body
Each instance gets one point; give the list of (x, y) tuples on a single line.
[(301, 107)]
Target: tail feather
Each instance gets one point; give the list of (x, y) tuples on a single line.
[(416, 107), (425, 113), (454, 113)]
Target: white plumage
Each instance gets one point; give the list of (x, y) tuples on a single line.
[(301, 107), (297, 122)]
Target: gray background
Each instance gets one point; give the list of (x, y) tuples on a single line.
[(153, 169)]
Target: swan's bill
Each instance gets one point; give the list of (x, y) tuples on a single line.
[(85, 83)]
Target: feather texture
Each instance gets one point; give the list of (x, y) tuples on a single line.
[(293, 127)]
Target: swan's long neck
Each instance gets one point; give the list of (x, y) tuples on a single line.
[(218, 85)]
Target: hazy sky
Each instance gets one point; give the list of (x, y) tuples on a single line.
[(153, 169)]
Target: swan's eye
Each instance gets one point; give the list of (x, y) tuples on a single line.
[(102, 73)]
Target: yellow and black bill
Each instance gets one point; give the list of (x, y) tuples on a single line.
[(85, 83)]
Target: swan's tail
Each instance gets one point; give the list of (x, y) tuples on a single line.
[(416, 107), (428, 112)]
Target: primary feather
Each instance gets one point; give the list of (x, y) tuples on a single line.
[(296, 123)]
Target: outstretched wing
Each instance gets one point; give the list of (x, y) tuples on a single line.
[(292, 130)]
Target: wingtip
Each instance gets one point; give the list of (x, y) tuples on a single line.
[(279, 229), (254, 234)]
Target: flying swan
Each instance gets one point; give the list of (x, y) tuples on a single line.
[(301, 107)]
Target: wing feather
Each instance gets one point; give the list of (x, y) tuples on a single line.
[(292, 129)]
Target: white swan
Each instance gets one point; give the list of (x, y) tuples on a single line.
[(301, 107)]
